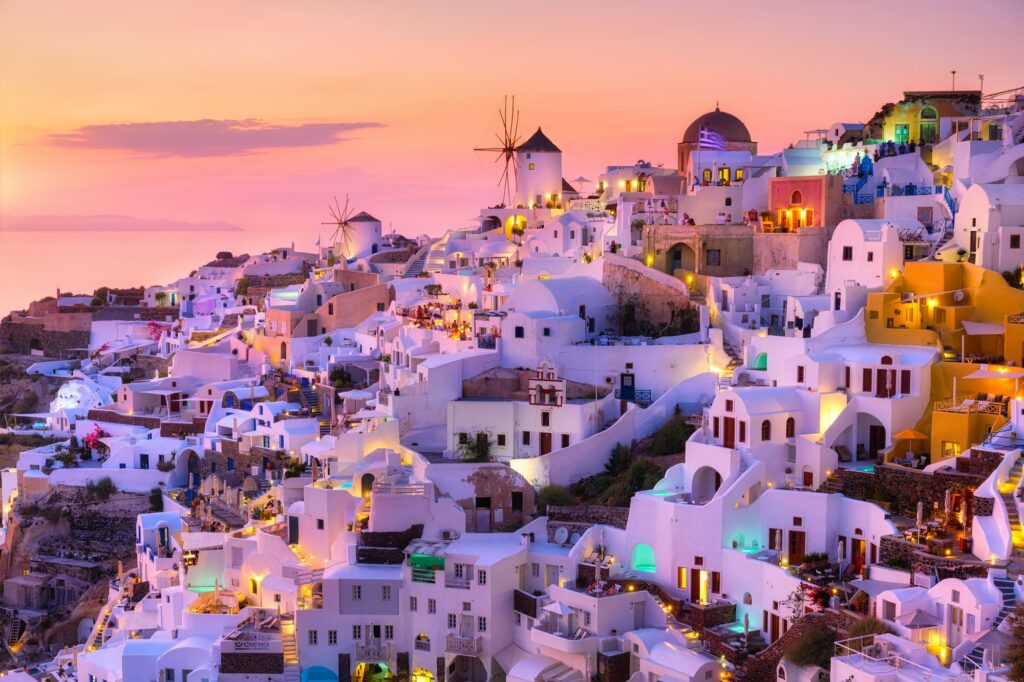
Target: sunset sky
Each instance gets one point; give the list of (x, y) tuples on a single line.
[(255, 112)]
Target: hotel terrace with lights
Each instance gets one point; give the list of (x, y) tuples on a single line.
[(673, 423)]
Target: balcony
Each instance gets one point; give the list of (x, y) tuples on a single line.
[(374, 652), (972, 406), (458, 583), (641, 397), (577, 642), (463, 646)]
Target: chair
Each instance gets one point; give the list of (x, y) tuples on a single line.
[(844, 454)]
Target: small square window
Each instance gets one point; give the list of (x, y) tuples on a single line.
[(319, 524), (871, 256), (1014, 241), (520, 332), (847, 253), (501, 440), (545, 419), (713, 257)]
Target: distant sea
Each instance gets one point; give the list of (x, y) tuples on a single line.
[(34, 263)]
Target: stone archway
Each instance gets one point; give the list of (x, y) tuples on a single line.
[(680, 256)]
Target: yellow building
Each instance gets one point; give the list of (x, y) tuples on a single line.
[(915, 118), (978, 320)]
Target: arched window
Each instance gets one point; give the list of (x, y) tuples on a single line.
[(766, 430), (796, 198), (886, 359), (928, 114), (284, 350), (747, 599), (790, 428)]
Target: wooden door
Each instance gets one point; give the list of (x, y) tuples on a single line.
[(729, 437), (857, 555), (808, 479), (797, 543), (876, 438), (774, 634), (694, 585), (545, 443)]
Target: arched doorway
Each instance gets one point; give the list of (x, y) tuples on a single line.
[(680, 256), (195, 475), (643, 558), (422, 675), (284, 350), (706, 482), (318, 673), (366, 485), (467, 669), (373, 672)]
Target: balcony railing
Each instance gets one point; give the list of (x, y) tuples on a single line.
[(465, 646), (969, 406), (459, 583), (640, 396), (377, 652)]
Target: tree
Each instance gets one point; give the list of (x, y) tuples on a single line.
[(619, 460), (156, 500), (1015, 652), (328, 341), (554, 495), (814, 646)]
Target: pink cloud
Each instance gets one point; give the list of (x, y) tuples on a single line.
[(206, 137)]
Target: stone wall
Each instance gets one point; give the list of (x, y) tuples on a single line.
[(55, 344), (179, 429), (627, 280), (252, 663), (118, 418), (582, 517), (896, 549)]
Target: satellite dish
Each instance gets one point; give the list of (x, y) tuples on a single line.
[(561, 535), (958, 296)]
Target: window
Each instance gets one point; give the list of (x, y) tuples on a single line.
[(357, 592), (481, 624), (413, 603), (481, 577), (871, 256), (451, 621), (312, 637), (519, 332), (706, 176), (535, 570), (799, 374), (526, 437), (531, 166), (1014, 241), (790, 428), (766, 430), (743, 432), (168, 675), (254, 586), (565, 440), (517, 501), (728, 406), (728, 201), (319, 524), (847, 253), (796, 197), (866, 380), (332, 637), (547, 331), (431, 606), (389, 632), (463, 437), (739, 174), (357, 632), (681, 577), (713, 257), (715, 426), (385, 592), (905, 381), (545, 419), (501, 440)]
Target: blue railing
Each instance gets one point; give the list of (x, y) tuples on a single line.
[(640, 396), (863, 198)]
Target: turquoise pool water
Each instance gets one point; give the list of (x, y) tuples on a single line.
[(346, 485), (749, 550), (736, 627), (869, 468), (645, 568), (660, 493)]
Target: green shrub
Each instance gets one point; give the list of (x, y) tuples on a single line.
[(156, 500), (554, 495), (814, 647), (671, 437), (868, 625), (619, 460), (101, 489)]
